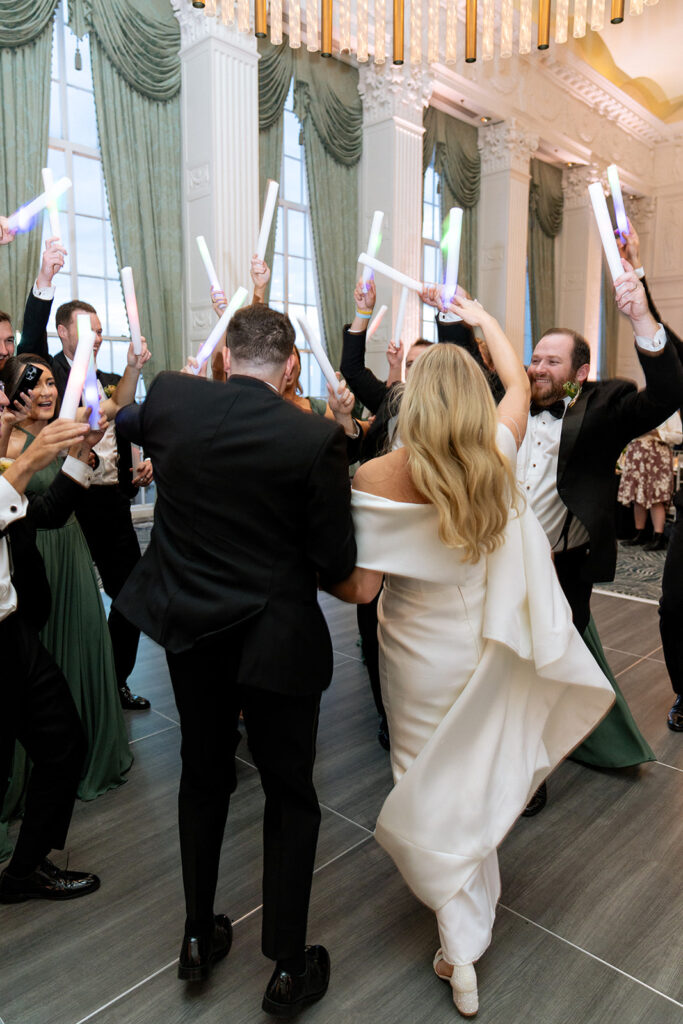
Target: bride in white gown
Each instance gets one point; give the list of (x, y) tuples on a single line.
[(486, 683)]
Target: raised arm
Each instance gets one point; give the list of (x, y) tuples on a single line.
[(127, 386), (513, 409), (39, 301), (362, 381)]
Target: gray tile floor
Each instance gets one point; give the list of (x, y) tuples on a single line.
[(588, 929)]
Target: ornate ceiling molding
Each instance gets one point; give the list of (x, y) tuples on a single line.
[(390, 91), (506, 146)]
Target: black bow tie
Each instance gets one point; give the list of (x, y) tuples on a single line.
[(556, 409)]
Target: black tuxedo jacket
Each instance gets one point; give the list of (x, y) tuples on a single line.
[(595, 430), (253, 502)]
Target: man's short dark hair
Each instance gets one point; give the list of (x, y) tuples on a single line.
[(260, 335), (67, 310), (5, 318), (581, 351), (422, 343)]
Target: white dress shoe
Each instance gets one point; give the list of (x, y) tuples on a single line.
[(463, 982)]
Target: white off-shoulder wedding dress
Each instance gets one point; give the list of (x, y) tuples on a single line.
[(487, 686)]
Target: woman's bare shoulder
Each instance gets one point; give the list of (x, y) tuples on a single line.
[(388, 477)]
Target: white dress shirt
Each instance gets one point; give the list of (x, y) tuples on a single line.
[(12, 507), (537, 476)]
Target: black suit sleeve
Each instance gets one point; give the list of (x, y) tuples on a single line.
[(330, 542), (636, 412), (678, 343), (129, 423), (52, 508), (34, 327), (360, 379)]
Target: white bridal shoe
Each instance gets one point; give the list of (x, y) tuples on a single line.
[(463, 982)]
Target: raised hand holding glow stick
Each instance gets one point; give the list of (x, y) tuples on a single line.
[(374, 243), (79, 369), (319, 353), (52, 208), (267, 219), (374, 324), (602, 218), (208, 263), (394, 275), (451, 243), (23, 219), (131, 308), (400, 315), (91, 392), (220, 328), (618, 200)]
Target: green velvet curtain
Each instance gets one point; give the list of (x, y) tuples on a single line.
[(453, 145), (136, 76), (25, 47), (546, 203), (327, 103)]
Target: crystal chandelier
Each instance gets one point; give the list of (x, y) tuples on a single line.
[(434, 31)]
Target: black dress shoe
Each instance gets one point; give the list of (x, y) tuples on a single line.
[(198, 954), (675, 717), (383, 734), (537, 802), (287, 993), (47, 882), (131, 701)]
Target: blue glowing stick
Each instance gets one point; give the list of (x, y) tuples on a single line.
[(618, 200), (91, 394)]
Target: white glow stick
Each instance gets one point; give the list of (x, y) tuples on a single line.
[(374, 324), (21, 219), (267, 219), (319, 352), (131, 308), (208, 263), (618, 200), (52, 208), (387, 271), (91, 393), (373, 244), (219, 330), (602, 218), (79, 368), (452, 253), (398, 327)]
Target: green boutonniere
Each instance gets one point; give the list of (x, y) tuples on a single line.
[(111, 388), (5, 464), (573, 389)]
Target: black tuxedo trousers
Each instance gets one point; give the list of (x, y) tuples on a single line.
[(671, 602), (281, 730)]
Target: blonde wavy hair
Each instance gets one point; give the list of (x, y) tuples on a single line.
[(447, 423)]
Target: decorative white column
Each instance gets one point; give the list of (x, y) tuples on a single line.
[(394, 99), (219, 111), (503, 224), (579, 263)]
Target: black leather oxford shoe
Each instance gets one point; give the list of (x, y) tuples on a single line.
[(287, 994), (198, 954), (131, 701), (47, 882), (675, 717)]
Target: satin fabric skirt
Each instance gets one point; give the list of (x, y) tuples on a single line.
[(430, 638)]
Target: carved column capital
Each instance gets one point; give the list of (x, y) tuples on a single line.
[(575, 182), (390, 91), (196, 25), (506, 146)]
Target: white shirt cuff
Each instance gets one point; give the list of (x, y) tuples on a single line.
[(12, 504), (655, 344), (448, 317), (640, 271), (47, 294), (77, 470)]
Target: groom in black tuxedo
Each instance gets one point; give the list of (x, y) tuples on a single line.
[(253, 504)]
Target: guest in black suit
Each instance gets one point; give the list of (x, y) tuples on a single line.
[(253, 504), (104, 511), (671, 601), (37, 706)]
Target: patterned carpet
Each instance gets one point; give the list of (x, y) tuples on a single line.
[(639, 573)]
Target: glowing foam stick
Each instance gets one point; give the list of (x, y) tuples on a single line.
[(374, 242), (131, 308), (79, 369), (387, 271), (314, 343), (374, 324), (267, 219), (398, 327), (208, 263), (23, 219), (602, 218), (219, 330), (91, 393), (452, 246), (52, 208), (618, 200)]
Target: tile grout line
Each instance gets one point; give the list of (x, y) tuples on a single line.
[(166, 967), (162, 715), (671, 766), (149, 735), (587, 952), (640, 660), (625, 597)]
